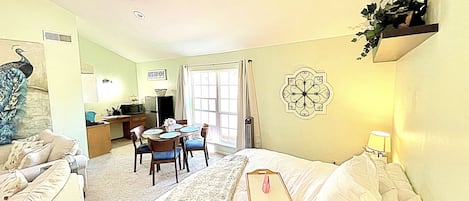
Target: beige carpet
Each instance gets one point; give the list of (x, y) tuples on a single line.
[(111, 176)]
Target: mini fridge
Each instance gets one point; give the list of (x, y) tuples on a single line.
[(157, 109)]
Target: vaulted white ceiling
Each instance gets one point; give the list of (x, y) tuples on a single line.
[(175, 28)]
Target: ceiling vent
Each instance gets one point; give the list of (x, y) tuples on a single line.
[(57, 37)]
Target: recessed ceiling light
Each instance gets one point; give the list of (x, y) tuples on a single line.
[(139, 14)]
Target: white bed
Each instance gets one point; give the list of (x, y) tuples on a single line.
[(359, 178)]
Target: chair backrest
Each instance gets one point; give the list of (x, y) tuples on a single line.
[(136, 134), (204, 130), (182, 121), (163, 145)]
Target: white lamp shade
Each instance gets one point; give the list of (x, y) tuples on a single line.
[(380, 141)]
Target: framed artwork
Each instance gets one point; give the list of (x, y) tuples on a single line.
[(157, 75), (306, 93), (24, 90)]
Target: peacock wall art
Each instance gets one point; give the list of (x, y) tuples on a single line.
[(24, 99), (13, 90)]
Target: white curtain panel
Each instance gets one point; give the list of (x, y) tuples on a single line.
[(182, 94), (247, 105)]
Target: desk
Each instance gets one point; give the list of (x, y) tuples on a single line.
[(128, 122), (99, 139)]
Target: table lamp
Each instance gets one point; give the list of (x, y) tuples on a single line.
[(379, 142)]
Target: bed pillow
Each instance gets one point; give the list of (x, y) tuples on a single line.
[(385, 183), (14, 183), (390, 195), (354, 180), (403, 186)]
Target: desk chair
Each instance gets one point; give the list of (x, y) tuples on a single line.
[(141, 148), (199, 144), (164, 151)]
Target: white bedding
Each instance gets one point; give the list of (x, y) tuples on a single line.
[(358, 179), (303, 178)]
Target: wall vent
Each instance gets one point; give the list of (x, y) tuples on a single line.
[(57, 37)]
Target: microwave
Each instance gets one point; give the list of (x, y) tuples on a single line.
[(132, 109)]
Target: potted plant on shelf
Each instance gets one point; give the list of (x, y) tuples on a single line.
[(393, 15)]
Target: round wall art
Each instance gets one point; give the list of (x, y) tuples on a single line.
[(306, 93)]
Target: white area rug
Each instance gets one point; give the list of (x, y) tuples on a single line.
[(111, 176)]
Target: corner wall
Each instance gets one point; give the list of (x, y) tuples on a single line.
[(25, 20), (432, 108), (363, 95)]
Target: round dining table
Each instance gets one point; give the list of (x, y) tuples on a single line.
[(179, 131)]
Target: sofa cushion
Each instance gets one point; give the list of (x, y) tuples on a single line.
[(14, 183), (61, 146), (4, 152), (47, 185), (18, 151), (36, 157)]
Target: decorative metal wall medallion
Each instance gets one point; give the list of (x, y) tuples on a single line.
[(306, 93)]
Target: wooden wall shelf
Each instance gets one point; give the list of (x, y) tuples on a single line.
[(395, 43)]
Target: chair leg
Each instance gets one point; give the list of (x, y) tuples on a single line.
[(152, 172), (176, 171), (191, 154), (206, 158), (141, 158), (135, 163), (179, 159)]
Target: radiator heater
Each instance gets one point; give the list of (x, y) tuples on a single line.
[(249, 132)]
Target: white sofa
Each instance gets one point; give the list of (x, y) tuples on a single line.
[(56, 183), (54, 147)]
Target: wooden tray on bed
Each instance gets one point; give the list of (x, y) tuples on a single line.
[(278, 190)]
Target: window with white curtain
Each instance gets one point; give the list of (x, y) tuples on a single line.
[(214, 101)]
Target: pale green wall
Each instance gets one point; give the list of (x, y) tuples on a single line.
[(122, 72), (432, 108), (25, 20), (107, 64), (363, 95)]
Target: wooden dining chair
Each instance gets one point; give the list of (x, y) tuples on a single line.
[(164, 151), (182, 122), (199, 144), (140, 148)]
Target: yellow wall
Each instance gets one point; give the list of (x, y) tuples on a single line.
[(432, 108), (25, 20), (363, 95)]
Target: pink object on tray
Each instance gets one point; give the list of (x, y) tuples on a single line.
[(266, 184)]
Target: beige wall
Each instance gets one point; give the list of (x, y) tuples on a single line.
[(432, 108), (25, 20), (363, 95)]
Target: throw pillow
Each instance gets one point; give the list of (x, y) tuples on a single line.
[(18, 151), (47, 136), (36, 157), (14, 183), (61, 146), (30, 138)]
